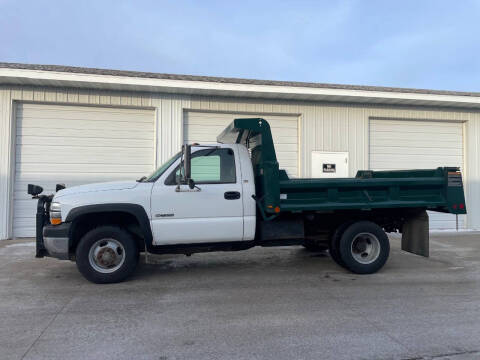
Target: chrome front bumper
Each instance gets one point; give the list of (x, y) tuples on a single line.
[(56, 240), (56, 247)]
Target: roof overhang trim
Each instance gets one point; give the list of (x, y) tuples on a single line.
[(28, 77)]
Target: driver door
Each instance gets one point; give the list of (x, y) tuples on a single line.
[(212, 212)]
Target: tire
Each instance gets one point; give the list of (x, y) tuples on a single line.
[(334, 244), (364, 247), (107, 254), (314, 247)]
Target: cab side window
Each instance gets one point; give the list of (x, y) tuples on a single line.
[(209, 166)]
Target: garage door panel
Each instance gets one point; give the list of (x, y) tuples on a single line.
[(409, 151), (387, 136), (99, 125), (46, 117), (108, 159), (433, 160), (212, 118), (79, 178), (289, 162), (415, 162), (94, 134), (288, 155), (77, 145), (281, 148), (419, 165), (283, 124), (420, 130), (88, 112), (83, 142), (48, 183), (417, 143), (204, 127), (414, 124), (284, 139), (404, 145), (22, 209), (408, 126), (54, 168), (207, 121), (67, 154), (113, 154)]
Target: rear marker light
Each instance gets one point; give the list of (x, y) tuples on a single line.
[(462, 206), (454, 206)]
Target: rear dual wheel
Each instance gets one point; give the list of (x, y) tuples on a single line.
[(361, 247)]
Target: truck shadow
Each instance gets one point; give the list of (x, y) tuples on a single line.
[(272, 260)]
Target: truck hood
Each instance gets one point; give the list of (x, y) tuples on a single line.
[(105, 186)]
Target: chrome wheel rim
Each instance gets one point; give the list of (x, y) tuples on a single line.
[(106, 255), (365, 248)]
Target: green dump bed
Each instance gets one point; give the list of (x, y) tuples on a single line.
[(438, 189)]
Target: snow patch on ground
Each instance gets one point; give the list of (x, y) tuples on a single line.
[(453, 231), (21, 244)]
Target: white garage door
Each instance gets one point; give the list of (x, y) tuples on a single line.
[(203, 127), (403, 145), (76, 145)]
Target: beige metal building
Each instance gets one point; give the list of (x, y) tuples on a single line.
[(77, 125)]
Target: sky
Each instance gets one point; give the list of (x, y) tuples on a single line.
[(418, 44)]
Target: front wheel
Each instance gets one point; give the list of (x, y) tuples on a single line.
[(107, 254), (364, 247)]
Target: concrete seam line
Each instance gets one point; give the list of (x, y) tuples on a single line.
[(376, 326), (46, 327)]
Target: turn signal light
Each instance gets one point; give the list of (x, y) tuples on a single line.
[(56, 221)]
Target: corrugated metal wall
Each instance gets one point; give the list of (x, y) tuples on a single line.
[(6, 179), (325, 127)]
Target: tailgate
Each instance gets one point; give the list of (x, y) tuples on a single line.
[(454, 191)]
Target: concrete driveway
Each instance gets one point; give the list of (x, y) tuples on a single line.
[(265, 303)]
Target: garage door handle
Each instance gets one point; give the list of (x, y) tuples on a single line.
[(232, 195)]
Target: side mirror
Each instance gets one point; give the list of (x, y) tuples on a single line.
[(187, 158), (191, 184), (185, 165)]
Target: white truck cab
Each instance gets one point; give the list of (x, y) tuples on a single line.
[(218, 209)]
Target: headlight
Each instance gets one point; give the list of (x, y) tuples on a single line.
[(55, 213)]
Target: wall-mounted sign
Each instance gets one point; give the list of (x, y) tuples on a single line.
[(329, 168), (326, 164)]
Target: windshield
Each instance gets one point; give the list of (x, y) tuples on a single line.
[(157, 173)]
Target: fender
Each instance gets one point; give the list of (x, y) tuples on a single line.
[(134, 209)]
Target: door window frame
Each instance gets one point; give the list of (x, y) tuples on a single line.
[(170, 178)]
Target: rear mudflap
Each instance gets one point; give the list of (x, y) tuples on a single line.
[(415, 234)]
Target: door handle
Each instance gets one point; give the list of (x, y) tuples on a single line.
[(231, 195)]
